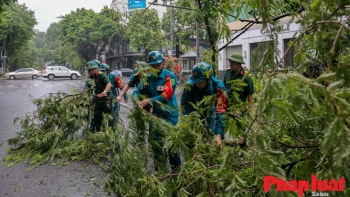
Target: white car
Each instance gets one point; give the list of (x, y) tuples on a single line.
[(23, 73), (52, 72)]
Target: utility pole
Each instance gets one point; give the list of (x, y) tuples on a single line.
[(171, 31), (197, 39), (171, 25), (197, 42)]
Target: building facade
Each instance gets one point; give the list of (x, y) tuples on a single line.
[(256, 39)]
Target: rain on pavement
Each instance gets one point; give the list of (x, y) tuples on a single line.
[(77, 179)]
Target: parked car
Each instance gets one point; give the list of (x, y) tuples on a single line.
[(53, 72), (23, 73), (126, 71)]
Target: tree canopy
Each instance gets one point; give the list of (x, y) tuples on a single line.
[(144, 30), (4, 3), (16, 27), (85, 30)]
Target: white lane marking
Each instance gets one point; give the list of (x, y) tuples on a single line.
[(36, 84), (10, 86)]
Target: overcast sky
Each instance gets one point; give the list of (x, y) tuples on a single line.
[(46, 11)]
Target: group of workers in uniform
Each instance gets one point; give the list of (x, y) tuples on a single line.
[(160, 90)]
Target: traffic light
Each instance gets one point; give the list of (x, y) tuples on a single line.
[(177, 48)]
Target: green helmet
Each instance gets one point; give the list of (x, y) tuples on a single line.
[(201, 71), (97, 62), (90, 65), (104, 67), (143, 66), (155, 57), (236, 57)]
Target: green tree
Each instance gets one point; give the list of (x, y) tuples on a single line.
[(39, 39), (53, 36), (85, 30), (184, 22), (111, 14), (4, 3), (144, 30), (53, 45), (16, 29), (28, 56)]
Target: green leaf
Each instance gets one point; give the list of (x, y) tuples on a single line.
[(315, 4), (260, 140), (329, 135), (325, 77), (275, 153), (335, 85)]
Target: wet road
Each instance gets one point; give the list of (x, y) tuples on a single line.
[(76, 179)]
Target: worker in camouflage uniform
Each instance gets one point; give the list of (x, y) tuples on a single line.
[(141, 69), (160, 89), (116, 85), (102, 93), (236, 72), (200, 84)]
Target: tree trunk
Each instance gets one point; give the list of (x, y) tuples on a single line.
[(212, 40)]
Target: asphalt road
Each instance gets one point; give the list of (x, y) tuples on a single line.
[(76, 179)]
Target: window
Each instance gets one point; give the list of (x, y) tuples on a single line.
[(289, 60), (64, 69), (56, 68), (192, 63), (120, 64), (184, 63)]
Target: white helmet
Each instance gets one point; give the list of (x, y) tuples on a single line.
[(118, 73)]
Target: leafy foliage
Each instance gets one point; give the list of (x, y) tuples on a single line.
[(146, 32), (183, 22), (39, 39), (16, 28), (299, 125), (85, 30), (27, 56), (3, 4)]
